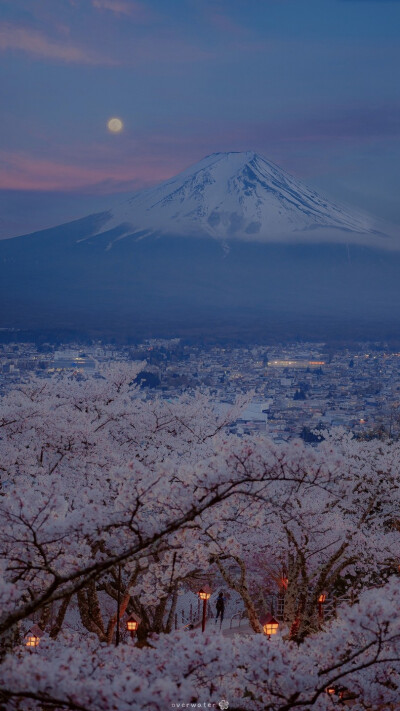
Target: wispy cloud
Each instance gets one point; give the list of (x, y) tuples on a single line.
[(359, 124), (122, 7), (34, 42), (24, 171), (148, 157)]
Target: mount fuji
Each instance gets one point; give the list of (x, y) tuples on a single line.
[(238, 196), (231, 247)]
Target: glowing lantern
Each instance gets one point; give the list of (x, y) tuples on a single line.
[(32, 640), (269, 624), (132, 624), (204, 594), (330, 690), (321, 601), (33, 636)]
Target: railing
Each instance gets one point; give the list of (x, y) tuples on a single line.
[(240, 615), (191, 618), (276, 605)]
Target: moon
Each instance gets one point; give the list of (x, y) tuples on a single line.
[(115, 125)]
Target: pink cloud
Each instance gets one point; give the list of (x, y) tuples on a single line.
[(107, 165), (36, 43), (23, 171)]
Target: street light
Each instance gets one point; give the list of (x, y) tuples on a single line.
[(132, 624), (204, 594), (117, 634), (269, 624), (33, 636), (321, 601)]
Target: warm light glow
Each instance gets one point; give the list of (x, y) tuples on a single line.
[(132, 625), (115, 125), (204, 594), (301, 363), (322, 598), (331, 690), (271, 627), (269, 624), (32, 641)]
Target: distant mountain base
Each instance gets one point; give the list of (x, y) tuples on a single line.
[(263, 333), (67, 281)]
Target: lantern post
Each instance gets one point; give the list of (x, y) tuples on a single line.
[(132, 624), (269, 624), (321, 601), (204, 594), (118, 605)]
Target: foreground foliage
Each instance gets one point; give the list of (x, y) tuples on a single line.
[(97, 479)]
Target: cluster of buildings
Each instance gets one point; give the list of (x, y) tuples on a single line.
[(297, 389)]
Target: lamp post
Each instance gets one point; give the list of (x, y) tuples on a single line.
[(321, 601), (269, 624), (132, 624), (204, 594), (118, 605)]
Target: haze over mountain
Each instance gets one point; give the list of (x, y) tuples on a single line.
[(233, 246)]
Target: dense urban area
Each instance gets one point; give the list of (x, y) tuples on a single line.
[(296, 389)]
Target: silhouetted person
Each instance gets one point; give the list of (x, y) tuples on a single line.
[(220, 607)]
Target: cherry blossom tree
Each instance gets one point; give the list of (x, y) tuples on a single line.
[(99, 480), (96, 476), (336, 528), (357, 655)]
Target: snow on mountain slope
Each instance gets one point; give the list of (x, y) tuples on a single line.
[(243, 196)]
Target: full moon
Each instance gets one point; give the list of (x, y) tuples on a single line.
[(115, 125)]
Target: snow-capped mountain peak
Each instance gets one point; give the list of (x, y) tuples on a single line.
[(239, 195)]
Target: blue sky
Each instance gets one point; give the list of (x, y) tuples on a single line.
[(310, 84)]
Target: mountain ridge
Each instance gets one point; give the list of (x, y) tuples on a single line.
[(241, 195), (101, 275)]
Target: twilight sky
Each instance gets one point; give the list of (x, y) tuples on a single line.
[(311, 84)]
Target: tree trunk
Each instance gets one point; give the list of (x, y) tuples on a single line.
[(89, 611), (60, 617), (171, 615), (241, 588), (45, 617), (113, 620), (159, 615)]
